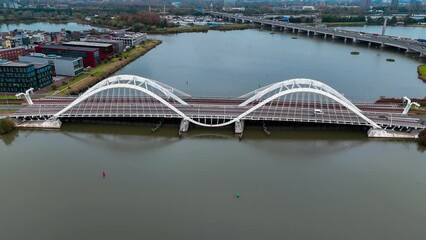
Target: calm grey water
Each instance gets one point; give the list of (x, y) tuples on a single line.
[(46, 26), (236, 62), (294, 184)]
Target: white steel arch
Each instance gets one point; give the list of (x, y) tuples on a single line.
[(146, 83), (303, 83), (142, 83)]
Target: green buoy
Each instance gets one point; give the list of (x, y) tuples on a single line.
[(237, 194)]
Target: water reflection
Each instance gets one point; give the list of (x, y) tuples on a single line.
[(9, 138)]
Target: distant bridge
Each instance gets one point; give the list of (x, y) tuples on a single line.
[(294, 100), (409, 46)]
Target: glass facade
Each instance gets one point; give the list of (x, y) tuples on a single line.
[(20, 77)]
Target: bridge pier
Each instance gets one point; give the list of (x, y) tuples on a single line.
[(184, 126), (411, 51), (44, 124), (382, 133), (239, 127)]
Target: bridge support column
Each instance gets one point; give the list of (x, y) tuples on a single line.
[(411, 51), (184, 126), (239, 127), (354, 40), (409, 104), (26, 95)]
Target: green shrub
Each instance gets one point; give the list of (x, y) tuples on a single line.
[(6, 125), (422, 137)]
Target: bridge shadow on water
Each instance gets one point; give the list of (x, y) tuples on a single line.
[(135, 135), (278, 138)]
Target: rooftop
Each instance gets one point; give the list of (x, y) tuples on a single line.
[(50, 56), (15, 64), (104, 40), (87, 44), (8, 49), (62, 47), (39, 65)]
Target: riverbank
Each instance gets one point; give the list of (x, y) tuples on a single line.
[(421, 72), (94, 75), (6, 125), (175, 30)]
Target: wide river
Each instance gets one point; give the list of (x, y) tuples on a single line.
[(293, 184), (236, 62)]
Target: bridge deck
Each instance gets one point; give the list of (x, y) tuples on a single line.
[(212, 111)]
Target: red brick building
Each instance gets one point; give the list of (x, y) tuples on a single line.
[(90, 55), (105, 49), (12, 54)]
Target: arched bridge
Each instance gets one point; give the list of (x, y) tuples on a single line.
[(410, 46), (294, 100)]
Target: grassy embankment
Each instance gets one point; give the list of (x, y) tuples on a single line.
[(100, 72), (421, 71), (173, 30), (7, 97), (6, 125)]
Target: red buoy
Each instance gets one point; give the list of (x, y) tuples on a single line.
[(103, 174)]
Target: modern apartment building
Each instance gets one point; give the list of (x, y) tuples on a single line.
[(20, 76), (117, 45), (131, 39), (62, 66)]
